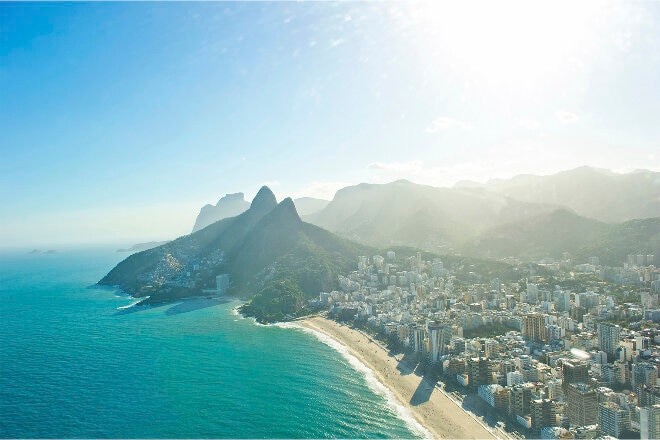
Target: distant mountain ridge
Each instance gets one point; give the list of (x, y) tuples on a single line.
[(278, 260), (142, 246), (264, 249), (472, 219), (228, 206), (431, 218), (590, 192), (551, 234), (234, 204)]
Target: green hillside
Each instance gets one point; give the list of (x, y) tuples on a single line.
[(561, 231), (269, 253)]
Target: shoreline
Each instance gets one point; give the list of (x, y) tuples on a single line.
[(436, 412)]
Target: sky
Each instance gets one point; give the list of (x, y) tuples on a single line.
[(118, 121)]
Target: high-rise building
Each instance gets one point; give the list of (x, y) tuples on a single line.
[(514, 378), (573, 372), (608, 339), (555, 391), (587, 299), (577, 312), (419, 335), (532, 296), (545, 412), (613, 419), (563, 302), (648, 395), (439, 340), (631, 260), (533, 327), (643, 373), (491, 348), (479, 371), (520, 399), (553, 332), (616, 373), (649, 422), (582, 405)]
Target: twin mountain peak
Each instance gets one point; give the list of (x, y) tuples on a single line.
[(269, 253)]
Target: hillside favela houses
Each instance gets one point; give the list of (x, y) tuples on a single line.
[(557, 349)]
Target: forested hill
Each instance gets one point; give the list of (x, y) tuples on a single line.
[(266, 247)]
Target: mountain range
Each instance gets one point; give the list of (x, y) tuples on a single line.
[(589, 192), (228, 206), (423, 216), (527, 216), (278, 261), (233, 204), (552, 234), (472, 214), (269, 253)]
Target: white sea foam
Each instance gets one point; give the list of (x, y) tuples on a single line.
[(258, 324), (235, 312), (132, 304), (372, 382)]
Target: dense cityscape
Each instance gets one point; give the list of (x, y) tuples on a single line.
[(567, 350)]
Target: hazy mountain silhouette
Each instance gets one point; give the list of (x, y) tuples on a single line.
[(266, 244), (403, 212), (549, 235), (142, 246), (229, 206), (589, 192), (233, 204)]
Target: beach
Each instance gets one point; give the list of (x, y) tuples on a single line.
[(434, 410)]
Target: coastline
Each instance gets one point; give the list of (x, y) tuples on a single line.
[(432, 409)]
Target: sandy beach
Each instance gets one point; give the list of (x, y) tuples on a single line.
[(441, 416)]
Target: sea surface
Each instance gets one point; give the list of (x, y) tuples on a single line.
[(74, 362)]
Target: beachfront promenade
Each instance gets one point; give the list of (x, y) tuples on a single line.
[(437, 411)]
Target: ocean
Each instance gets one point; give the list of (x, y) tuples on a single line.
[(76, 362)]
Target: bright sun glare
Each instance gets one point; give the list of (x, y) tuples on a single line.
[(510, 42)]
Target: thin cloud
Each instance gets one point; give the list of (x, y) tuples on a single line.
[(567, 117), (445, 123)]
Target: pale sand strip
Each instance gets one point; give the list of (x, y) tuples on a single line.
[(441, 416)]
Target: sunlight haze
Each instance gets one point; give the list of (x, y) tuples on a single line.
[(119, 121)]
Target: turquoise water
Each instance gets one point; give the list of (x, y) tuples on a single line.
[(74, 365)]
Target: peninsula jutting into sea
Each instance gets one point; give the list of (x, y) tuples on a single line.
[(346, 219), (473, 347)]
